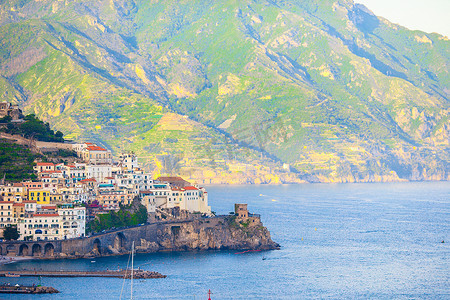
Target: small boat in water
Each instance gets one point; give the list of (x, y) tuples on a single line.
[(12, 275)]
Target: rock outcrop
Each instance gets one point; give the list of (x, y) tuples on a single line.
[(214, 234), (45, 290)]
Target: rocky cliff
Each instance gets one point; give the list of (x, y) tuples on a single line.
[(212, 234)]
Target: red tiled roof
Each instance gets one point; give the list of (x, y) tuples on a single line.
[(190, 188), (145, 192), (28, 201), (45, 164), (18, 185), (19, 204), (32, 183), (45, 215), (6, 202), (88, 180), (49, 207), (95, 148)]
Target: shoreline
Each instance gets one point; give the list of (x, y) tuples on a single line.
[(169, 236)]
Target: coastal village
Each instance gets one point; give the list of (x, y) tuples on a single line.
[(66, 196), (80, 201)]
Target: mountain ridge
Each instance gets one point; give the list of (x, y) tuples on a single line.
[(327, 88)]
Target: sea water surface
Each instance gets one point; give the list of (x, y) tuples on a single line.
[(339, 241)]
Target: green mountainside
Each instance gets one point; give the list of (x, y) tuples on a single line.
[(235, 91)]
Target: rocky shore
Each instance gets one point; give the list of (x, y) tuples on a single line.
[(22, 289), (142, 274)]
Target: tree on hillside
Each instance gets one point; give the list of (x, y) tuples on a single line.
[(33, 128), (127, 216), (10, 233)]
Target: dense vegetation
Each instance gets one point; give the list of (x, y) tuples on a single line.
[(125, 217), (16, 162), (32, 128), (11, 233)]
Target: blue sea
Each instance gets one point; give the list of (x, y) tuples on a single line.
[(338, 241)]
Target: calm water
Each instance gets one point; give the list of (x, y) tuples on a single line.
[(338, 242)]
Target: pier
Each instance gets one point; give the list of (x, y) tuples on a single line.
[(137, 274)]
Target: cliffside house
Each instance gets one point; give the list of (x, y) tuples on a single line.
[(12, 110), (44, 167), (165, 196), (93, 154)]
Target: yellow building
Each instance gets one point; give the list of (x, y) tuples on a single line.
[(56, 198), (40, 196)]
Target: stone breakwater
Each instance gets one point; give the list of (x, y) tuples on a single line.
[(137, 274), (6, 289), (217, 233)]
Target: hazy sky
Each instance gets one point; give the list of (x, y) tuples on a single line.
[(425, 15)]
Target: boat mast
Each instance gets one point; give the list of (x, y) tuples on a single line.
[(132, 268)]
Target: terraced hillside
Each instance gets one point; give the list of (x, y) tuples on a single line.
[(235, 91)]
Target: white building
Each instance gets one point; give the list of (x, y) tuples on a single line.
[(129, 161), (53, 223), (44, 167), (99, 172), (73, 221), (74, 172), (134, 181), (40, 226)]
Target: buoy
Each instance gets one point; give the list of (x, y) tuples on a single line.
[(209, 294), (302, 239), (442, 242), (315, 229)]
